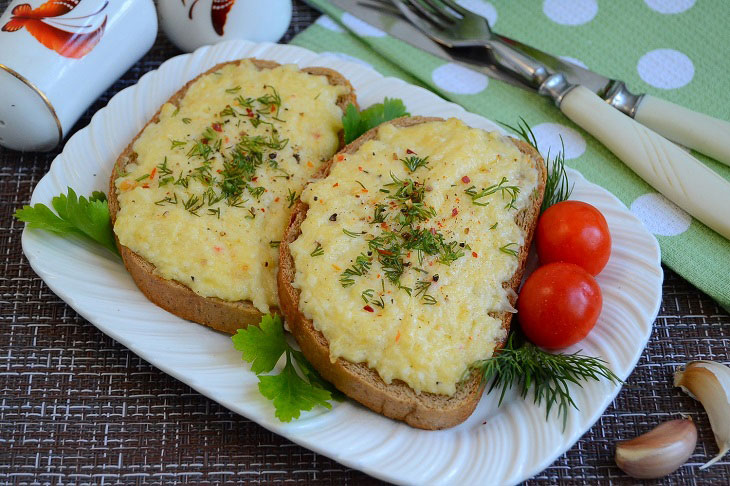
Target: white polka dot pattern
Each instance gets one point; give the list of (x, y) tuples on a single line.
[(666, 68), (481, 7), (570, 12), (329, 24), (660, 215), (670, 6), (548, 137), (458, 79)]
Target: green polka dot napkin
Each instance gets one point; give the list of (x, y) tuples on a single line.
[(674, 49)]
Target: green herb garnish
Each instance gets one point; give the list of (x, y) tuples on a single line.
[(413, 162), (557, 186), (356, 123), (510, 192), (76, 216), (290, 391), (508, 249), (318, 250), (549, 375)]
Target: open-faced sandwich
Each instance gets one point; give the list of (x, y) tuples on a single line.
[(200, 198), (401, 260)]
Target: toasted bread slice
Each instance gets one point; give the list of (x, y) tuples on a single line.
[(174, 296), (396, 400)]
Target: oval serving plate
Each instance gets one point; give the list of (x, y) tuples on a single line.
[(496, 445)]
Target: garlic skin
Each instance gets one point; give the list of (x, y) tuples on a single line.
[(659, 452), (709, 382)]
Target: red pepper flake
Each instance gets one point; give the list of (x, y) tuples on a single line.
[(454, 212), (217, 127), (359, 168), (384, 225), (335, 184), (465, 180), (263, 210), (276, 199), (368, 308), (397, 336), (146, 186), (249, 112), (409, 151), (433, 231), (340, 157), (474, 254), (220, 171), (152, 174), (254, 179), (385, 252), (218, 249), (273, 108)]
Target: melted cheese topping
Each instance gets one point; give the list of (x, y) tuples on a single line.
[(168, 209), (427, 342)]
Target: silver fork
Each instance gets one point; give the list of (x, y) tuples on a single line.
[(451, 25), (675, 173)]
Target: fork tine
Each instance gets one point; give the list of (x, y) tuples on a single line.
[(405, 8), (439, 10), (455, 7), (427, 14)]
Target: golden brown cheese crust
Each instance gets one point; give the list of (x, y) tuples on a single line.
[(174, 296), (357, 380)]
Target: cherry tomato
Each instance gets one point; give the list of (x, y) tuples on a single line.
[(558, 305), (574, 232)]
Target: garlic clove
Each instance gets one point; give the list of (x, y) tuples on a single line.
[(709, 382), (659, 452)]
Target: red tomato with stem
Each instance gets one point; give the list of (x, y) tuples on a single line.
[(574, 232), (558, 305)]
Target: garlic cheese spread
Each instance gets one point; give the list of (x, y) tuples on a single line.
[(406, 245), (210, 192)]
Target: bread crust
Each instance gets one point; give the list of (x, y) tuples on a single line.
[(357, 380), (174, 296)]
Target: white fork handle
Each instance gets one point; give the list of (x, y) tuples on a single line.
[(670, 170), (706, 134)]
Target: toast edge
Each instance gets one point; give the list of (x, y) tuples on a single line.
[(356, 380), (174, 296)]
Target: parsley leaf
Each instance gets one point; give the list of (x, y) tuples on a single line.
[(76, 215), (262, 346), (291, 394), (356, 123), (291, 391)]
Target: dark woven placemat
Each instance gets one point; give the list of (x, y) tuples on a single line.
[(78, 408)]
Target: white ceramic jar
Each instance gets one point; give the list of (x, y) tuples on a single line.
[(190, 24), (57, 57)]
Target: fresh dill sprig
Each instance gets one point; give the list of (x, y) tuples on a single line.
[(358, 269), (549, 375), (291, 197), (507, 191), (414, 162), (557, 186), (508, 250), (318, 250)]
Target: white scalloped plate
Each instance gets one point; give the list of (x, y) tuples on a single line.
[(502, 445)]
